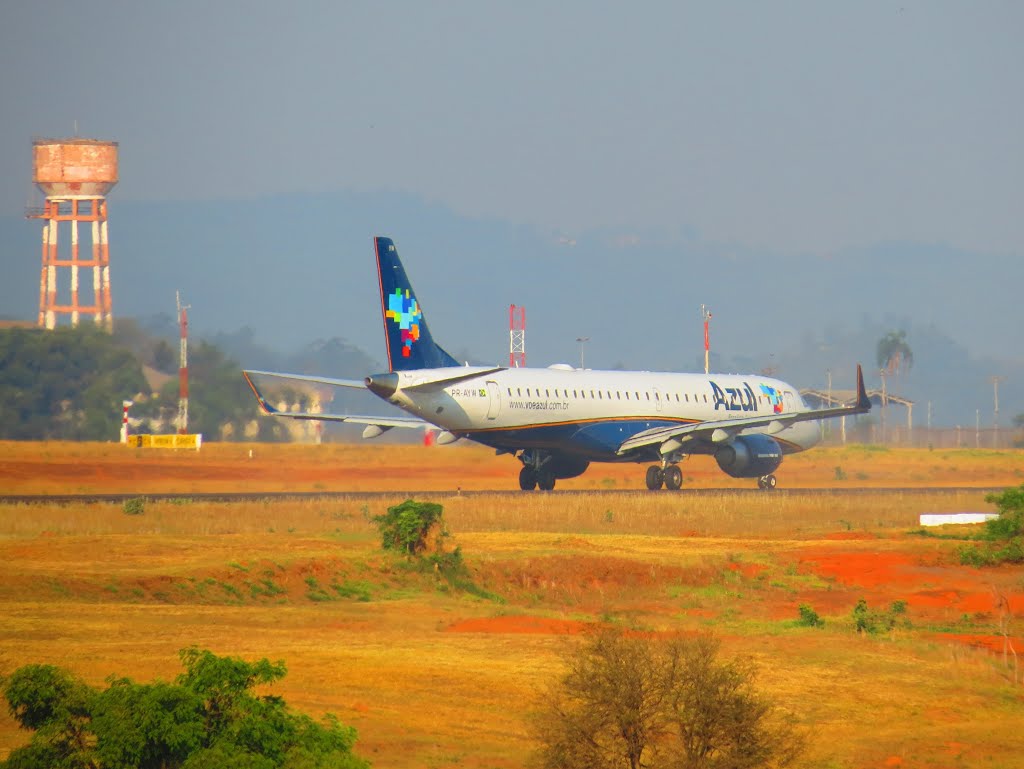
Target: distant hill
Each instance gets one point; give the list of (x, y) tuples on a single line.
[(268, 277)]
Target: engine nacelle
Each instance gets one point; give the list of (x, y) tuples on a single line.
[(749, 456)]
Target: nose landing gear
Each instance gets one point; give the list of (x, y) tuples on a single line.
[(766, 482)]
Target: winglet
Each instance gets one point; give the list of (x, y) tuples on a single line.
[(265, 406), (862, 394)]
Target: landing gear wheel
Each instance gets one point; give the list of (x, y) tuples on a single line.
[(545, 481), (527, 479), (655, 477), (766, 482), (673, 478)]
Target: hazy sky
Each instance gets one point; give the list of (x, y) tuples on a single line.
[(784, 126)]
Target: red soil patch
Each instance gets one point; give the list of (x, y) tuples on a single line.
[(520, 624), (931, 588), (748, 570), (866, 569), (992, 643)]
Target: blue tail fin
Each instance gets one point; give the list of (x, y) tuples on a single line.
[(410, 345)]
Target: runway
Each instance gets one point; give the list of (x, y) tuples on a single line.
[(67, 499)]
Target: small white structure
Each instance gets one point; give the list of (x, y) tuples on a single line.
[(941, 519)]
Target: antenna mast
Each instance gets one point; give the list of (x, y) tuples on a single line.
[(517, 336), (183, 366)]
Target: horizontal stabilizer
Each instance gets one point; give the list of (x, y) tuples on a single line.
[(380, 421), (355, 383)]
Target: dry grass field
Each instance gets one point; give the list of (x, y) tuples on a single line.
[(84, 468), (436, 675)]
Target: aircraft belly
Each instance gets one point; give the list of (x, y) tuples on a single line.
[(596, 439)]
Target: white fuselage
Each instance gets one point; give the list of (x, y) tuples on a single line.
[(592, 412)]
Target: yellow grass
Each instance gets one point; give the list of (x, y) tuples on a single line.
[(101, 592)]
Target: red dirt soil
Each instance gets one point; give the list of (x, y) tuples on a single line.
[(939, 590)]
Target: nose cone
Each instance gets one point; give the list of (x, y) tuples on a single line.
[(383, 385)]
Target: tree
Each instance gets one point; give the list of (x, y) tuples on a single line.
[(164, 357), (56, 706), (1002, 537), (210, 718), (894, 354), (64, 384), (411, 527), (629, 701)]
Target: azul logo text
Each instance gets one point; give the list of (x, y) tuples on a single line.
[(734, 398)]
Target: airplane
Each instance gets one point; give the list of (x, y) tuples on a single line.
[(559, 419)]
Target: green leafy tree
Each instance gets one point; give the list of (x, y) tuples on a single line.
[(64, 384), (57, 707), (147, 726), (893, 352), (165, 358), (210, 718), (1004, 536), (628, 701), (410, 527), (221, 405)]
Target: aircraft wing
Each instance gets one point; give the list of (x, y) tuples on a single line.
[(721, 430), (385, 423)]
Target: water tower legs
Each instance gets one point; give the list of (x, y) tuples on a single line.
[(75, 211)]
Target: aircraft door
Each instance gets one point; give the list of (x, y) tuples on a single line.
[(657, 399), (493, 400)]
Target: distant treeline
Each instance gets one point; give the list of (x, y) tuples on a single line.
[(69, 384)]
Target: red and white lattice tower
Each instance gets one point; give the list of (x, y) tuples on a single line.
[(516, 336), (182, 367), (75, 175)]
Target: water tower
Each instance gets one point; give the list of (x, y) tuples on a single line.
[(75, 175)]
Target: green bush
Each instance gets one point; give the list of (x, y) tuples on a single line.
[(873, 622), (136, 506), (1003, 536), (405, 527), (809, 617), (210, 717)]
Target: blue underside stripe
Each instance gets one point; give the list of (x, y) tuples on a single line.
[(596, 440)]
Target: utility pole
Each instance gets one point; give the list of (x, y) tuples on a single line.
[(183, 367), (705, 315), (828, 400), (582, 340), (885, 403), (995, 413)]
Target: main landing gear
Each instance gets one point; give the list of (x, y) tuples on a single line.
[(537, 471), (530, 479), (670, 476)]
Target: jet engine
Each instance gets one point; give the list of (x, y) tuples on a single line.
[(749, 456)]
